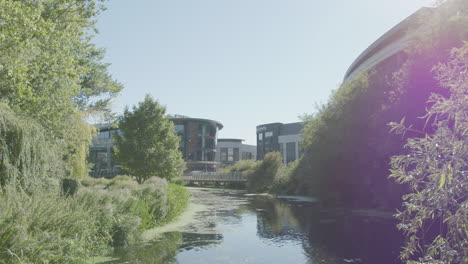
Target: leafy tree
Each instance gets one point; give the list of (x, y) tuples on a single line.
[(51, 71), (435, 213), (148, 146), (347, 147)]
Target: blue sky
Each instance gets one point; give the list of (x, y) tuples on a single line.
[(240, 62)]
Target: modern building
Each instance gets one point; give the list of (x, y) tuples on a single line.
[(198, 140), (232, 150), (101, 153), (284, 138), (389, 46)]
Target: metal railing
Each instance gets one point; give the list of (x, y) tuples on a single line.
[(214, 177)]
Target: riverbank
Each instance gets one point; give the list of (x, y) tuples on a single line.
[(50, 227)]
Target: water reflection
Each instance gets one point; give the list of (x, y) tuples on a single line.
[(160, 251), (233, 228), (333, 236)]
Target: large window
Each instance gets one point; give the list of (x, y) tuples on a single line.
[(223, 154), (179, 130), (103, 135), (246, 155), (236, 154), (290, 151), (230, 154)]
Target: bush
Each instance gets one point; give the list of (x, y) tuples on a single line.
[(240, 166), (283, 177), (435, 213), (260, 178), (69, 187)]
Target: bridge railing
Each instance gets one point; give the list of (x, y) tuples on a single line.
[(214, 177)]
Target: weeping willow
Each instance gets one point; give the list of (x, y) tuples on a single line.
[(28, 158)]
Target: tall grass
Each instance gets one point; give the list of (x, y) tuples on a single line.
[(47, 227)]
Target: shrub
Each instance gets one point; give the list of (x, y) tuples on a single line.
[(283, 177), (240, 166), (260, 178), (69, 187), (435, 213)]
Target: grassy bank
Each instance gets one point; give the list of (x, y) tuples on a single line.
[(49, 227)]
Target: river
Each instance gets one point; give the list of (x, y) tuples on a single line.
[(229, 226)]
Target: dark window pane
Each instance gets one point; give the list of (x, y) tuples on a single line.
[(290, 151)]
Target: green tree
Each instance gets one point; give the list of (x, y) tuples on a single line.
[(148, 146), (435, 213), (52, 72)]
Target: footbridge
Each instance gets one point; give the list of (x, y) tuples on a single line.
[(215, 177)]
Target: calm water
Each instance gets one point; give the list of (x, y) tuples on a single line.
[(231, 227)]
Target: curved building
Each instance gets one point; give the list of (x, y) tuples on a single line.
[(198, 140), (387, 46)]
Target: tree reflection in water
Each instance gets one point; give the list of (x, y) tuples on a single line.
[(334, 235), (237, 228)]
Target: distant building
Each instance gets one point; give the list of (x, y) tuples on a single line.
[(284, 138), (101, 153), (232, 150), (198, 140)]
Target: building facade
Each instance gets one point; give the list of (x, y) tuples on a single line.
[(232, 150), (198, 140), (284, 138), (101, 153), (389, 46)]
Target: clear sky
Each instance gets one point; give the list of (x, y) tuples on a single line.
[(240, 62)]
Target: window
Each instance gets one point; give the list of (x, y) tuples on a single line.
[(230, 154), (268, 134), (104, 134), (223, 154), (246, 155), (236, 154), (260, 136), (290, 151), (209, 155)]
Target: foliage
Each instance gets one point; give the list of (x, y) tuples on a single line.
[(28, 160), (148, 146), (435, 212), (51, 71), (155, 202), (282, 179), (347, 147), (47, 228), (177, 201), (260, 178), (240, 166)]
